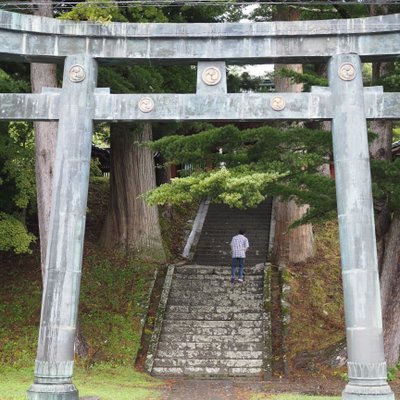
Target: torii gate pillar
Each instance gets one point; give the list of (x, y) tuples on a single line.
[(55, 356), (366, 359)]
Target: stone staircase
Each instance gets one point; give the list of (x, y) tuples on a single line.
[(206, 326), (222, 223), (213, 328)]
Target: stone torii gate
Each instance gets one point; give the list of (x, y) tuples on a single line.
[(343, 44)]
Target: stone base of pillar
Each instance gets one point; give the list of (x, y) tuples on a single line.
[(355, 392), (40, 391)]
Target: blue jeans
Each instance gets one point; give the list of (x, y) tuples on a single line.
[(241, 266)]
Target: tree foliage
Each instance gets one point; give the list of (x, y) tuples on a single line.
[(259, 162), (255, 163), (14, 235), (17, 177), (238, 187)]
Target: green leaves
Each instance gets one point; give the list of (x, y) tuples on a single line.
[(247, 165), (238, 187), (386, 178), (17, 184), (14, 235), (17, 164), (10, 85), (391, 80), (95, 10)]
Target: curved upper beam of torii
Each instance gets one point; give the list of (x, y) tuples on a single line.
[(33, 38)]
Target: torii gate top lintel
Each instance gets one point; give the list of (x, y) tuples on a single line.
[(33, 38)]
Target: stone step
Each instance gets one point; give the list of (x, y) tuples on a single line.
[(224, 261), (207, 371), (216, 309), (212, 346), (214, 324), (212, 331), (215, 279), (218, 273), (230, 316), (247, 215), (220, 362), (222, 234), (206, 292), (237, 289), (221, 243), (207, 354), (214, 275), (236, 221), (204, 302), (207, 257), (220, 285), (185, 296), (183, 338), (218, 252), (212, 269)]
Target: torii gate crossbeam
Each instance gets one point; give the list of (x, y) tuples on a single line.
[(81, 46)]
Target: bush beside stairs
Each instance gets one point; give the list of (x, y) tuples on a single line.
[(210, 327)]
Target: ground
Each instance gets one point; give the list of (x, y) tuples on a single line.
[(239, 389)]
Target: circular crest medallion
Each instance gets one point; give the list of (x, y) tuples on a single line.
[(146, 104), (76, 73), (278, 103), (211, 76), (347, 72)]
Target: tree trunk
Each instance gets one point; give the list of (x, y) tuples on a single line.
[(387, 236), (44, 75), (390, 283), (290, 245), (131, 225)]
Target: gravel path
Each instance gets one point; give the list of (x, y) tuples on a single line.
[(191, 389)]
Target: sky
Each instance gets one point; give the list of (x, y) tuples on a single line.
[(260, 69)]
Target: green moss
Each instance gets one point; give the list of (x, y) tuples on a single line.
[(113, 306), (174, 226), (267, 289), (19, 316), (316, 296)]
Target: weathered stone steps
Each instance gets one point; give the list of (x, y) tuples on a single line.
[(222, 222), (212, 327)]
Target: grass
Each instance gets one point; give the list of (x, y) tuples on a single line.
[(316, 296), (104, 381), (113, 306)]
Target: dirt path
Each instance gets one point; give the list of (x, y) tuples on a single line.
[(190, 389), (241, 389)]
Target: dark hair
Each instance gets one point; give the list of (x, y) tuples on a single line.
[(241, 231)]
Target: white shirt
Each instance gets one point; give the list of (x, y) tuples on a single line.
[(239, 245)]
